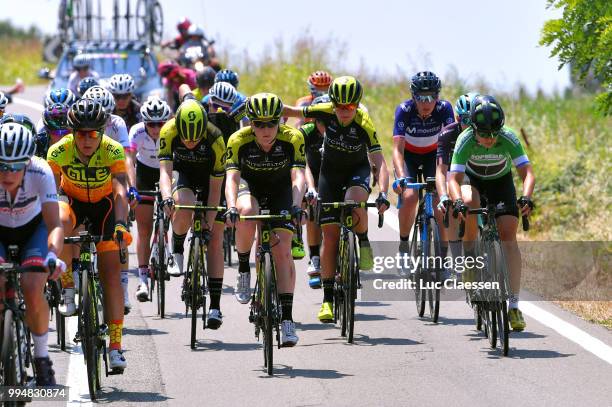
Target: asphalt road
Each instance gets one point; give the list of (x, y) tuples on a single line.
[(397, 359)]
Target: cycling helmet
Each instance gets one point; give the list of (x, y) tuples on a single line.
[(425, 82), (16, 143), (87, 114), (80, 61), (101, 95), (55, 117), (86, 83), (121, 84), (264, 107), (462, 107), (486, 114), (224, 92), (19, 119), (3, 101), (61, 95), (227, 75), (166, 67), (319, 80), (321, 99), (195, 31), (155, 110), (345, 90), (191, 120), (206, 77), (183, 24)]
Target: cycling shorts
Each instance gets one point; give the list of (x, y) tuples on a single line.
[(334, 184), (195, 182), (277, 200), (412, 162), (497, 191), (146, 178), (101, 217), (31, 239)]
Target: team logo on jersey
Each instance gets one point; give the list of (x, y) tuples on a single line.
[(400, 124)]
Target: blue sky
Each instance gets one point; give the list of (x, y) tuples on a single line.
[(496, 40)]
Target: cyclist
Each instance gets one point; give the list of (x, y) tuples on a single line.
[(53, 96), (318, 84), (29, 218), (205, 79), (173, 76), (116, 129), (81, 64), (486, 152), (194, 148), (144, 139), (313, 133), (197, 38), (350, 143), (126, 106), (55, 126), (85, 84), (182, 27), (231, 77), (17, 88), (265, 168), (418, 121), (101, 198), (444, 154)]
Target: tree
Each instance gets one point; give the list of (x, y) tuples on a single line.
[(582, 38)]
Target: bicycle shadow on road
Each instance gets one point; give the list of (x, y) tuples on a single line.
[(454, 321), (216, 345), (371, 304), (288, 372), (514, 353), (143, 332), (110, 394), (365, 340), (373, 317)]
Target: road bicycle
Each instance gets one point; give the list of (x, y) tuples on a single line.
[(149, 21)]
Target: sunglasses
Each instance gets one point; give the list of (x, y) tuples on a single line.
[(426, 98), (121, 96), (216, 106), (13, 167), (350, 106), (91, 134), (156, 125), (82, 68), (262, 124)]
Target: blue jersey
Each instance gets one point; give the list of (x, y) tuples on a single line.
[(421, 135)]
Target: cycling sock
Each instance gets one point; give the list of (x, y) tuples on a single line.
[(443, 248), (143, 272), (215, 287), (286, 301), (178, 243), (328, 290), (363, 238), (114, 328), (41, 347), (513, 301), (243, 262), (404, 238), (314, 250), (67, 278), (455, 248)]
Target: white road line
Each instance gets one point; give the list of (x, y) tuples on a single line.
[(563, 328), (76, 379), (28, 103)]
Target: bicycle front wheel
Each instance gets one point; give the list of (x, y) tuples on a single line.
[(503, 325), (9, 357), (420, 278), (161, 269), (433, 249), (350, 286), (90, 335), (268, 312), (195, 288)]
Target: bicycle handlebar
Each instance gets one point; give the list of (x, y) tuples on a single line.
[(200, 208), (485, 211)]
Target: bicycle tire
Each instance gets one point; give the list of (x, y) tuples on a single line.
[(157, 23), (162, 267), (195, 288), (350, 285), (227, 246), (266, 266), (490, 323), (90, 335), (420, 294), (433, 292), (503, 324), (339, 285), (9, 350), (141, 18)]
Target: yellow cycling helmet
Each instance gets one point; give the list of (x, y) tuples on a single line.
[(191, 121), (264, 107), (345, 90)]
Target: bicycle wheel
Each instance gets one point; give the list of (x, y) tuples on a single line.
[(503, 324), (10, 359), (268, 312), (161, 269), (195, 288), (156, 23), (340, 292), (90, 335), (420, 278), (433, 249), (489, 319), (350, 286), (227, 246)]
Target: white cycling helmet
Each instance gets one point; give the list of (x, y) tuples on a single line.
[(121, 84), (3, 101), (101, 95), (224, 92), (155, 110), (80, 61), (195, 31), (16, 143)]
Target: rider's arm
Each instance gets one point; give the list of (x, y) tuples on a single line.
[(120, 195), (298, 180), (527, 175), (183, 90), (309, 178), (454, 184), (130, 160), (165, 156), (399, 142), (378, 160), (298, 183), (216, 177), (441, 170), (232, 179), (51, 217), (165, 178), (293, 111)]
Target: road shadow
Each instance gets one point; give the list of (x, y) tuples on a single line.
[(288, 372), (373, 317), (143, 331), (214, 345), (525, 335), (314, 327), (110, 394), (371, 304), (514, 353), (365, 340), (455, 321)]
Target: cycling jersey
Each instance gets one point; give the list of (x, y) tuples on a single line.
[(446, 142), (131, 115), (223, 122), (266, 170), (74, 79), (145, 147), (345, 146), (488, 163), (421, 135), (314, 143), (89, 182), (38, 187), (204, 161), (42, 143), (117, 130)]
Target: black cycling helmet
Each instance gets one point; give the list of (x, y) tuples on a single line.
[(486, 114), (87, 114), (425, 81), (18, 118), (87, 83), (55, 117), (206, 77)]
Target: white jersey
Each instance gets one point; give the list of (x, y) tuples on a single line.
[(74, 79), (37, 188), (146, 148), (117, 130)]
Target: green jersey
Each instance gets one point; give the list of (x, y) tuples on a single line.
[(488, 163)]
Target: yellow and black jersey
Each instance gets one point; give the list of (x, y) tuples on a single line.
[(269, 168), (345, 145), (206, 159)]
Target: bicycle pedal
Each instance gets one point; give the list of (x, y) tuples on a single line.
[(314, 282)]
